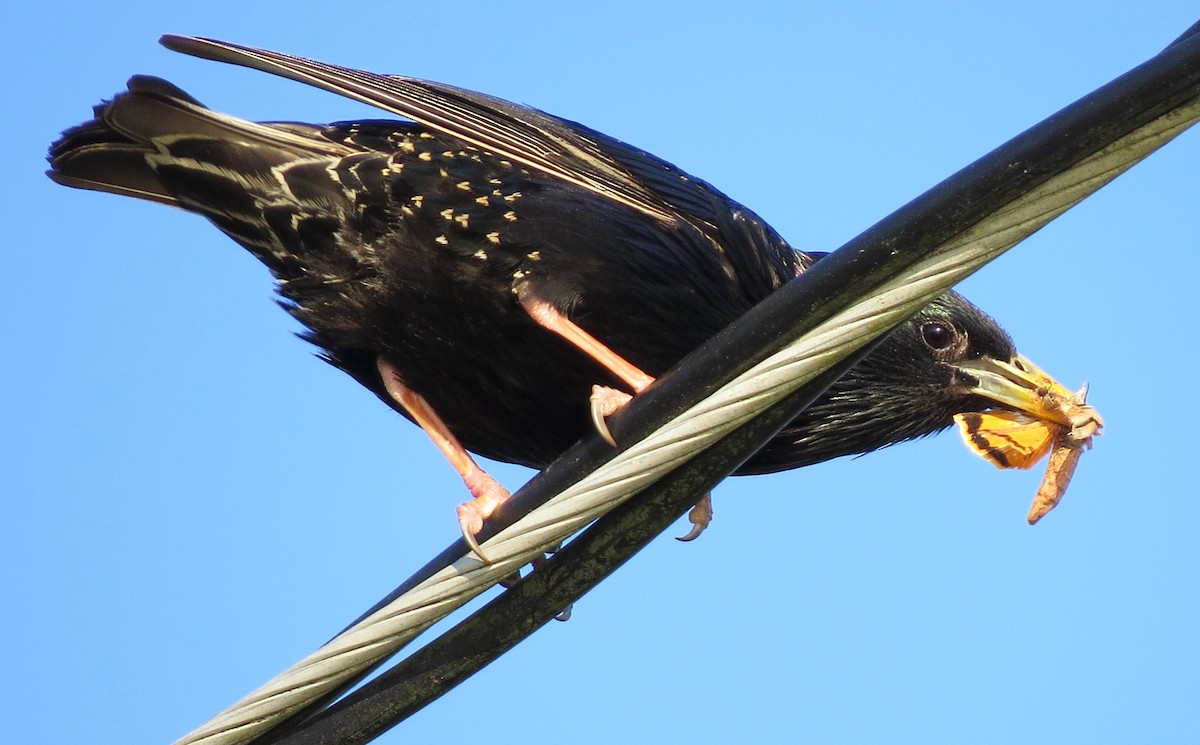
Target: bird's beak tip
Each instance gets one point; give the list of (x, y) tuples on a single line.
[(1021, 385)]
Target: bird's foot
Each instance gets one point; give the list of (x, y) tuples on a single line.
[(489, 495), (700, 516), (605, 402)]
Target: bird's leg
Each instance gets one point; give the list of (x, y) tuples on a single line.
[(604, 400), (487, 492), (549, 317)]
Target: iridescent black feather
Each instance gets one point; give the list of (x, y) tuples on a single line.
[(412, 241)]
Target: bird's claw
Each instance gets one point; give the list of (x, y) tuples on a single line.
[(471, 522), (700, 516), (489, 495), (605, 402)]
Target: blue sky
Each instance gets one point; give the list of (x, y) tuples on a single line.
[(192, 501)]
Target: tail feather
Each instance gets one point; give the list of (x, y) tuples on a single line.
[(97, 156), (114, 167), (154, 122), (156, 112), (155, 142)]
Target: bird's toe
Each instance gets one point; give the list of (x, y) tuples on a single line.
[(605, 402), (700, 516)]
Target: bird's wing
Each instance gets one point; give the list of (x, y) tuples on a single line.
[(554, 146), (527, 136)]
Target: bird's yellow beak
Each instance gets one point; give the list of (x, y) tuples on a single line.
[(1021, 385)]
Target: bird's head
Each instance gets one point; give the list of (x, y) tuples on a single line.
[(950, 358)]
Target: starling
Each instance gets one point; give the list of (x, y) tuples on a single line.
[(486, 269)]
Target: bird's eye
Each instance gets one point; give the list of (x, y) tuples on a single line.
[(937, 335)]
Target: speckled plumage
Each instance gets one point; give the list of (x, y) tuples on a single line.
[(413, 242)]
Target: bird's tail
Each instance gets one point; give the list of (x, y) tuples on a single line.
[(154, 123), (103, 155), (155, 142)]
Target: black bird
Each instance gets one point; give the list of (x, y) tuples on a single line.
[(481, 267)]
